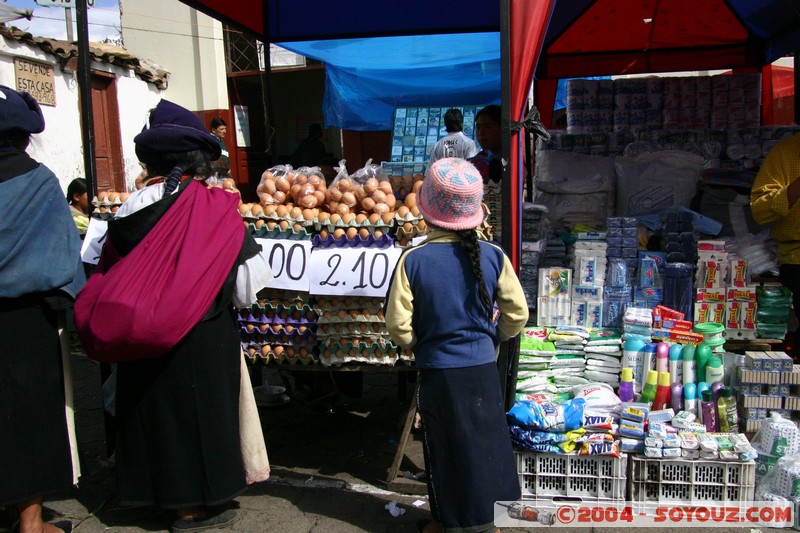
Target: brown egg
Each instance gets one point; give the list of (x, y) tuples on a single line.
[(371, 185), (342, 209), (387, 217), (417, 185), (320, 196), (102, 196), (346, 184), (280, 197), (334, 195), (295, 190), (114, 208), (367, 204), (295, 212), (361, 218), (381, 209), (278, 350), (422, 226), (415, 211), (403, 211), (266, 199), (269, 186), (349, 199), (297, 228), (282, 184), (123, 197), (379, 197), (243, 209), (323, 234), (315, 180), (259, 223), (338, 232), (281, 210), (411, 200), (308, 201), (335, 218), (270, 210), (324, 217), (113, 197), (265, 350), (391, 200), (308, 214), (377, 234), (374, 218), (386, 187), (271, 225), (228, 183), (348, 218), (257, 210), (283, 225), (363, 233), (408, 227), (302, 179)]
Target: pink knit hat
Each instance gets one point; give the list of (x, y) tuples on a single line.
[(451, 195)]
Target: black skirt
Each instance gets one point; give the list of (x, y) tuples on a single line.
[(178, 421), (35, 458), (468, 454)]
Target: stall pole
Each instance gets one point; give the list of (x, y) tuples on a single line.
[(85, 87)]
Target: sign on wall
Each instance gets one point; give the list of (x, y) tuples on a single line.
[(36, 78)]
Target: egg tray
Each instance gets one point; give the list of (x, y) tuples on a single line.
[(254, 355), (277, 306), (105, 203), (276, 233), (300, 219), (280, 336), (281, 318), (333, 360), (353, 327), (346, 303), (103, 215), (359, 343), (346, 317), (384, 227), (385, 241)]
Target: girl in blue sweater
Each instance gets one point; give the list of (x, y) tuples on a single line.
[(441, 304)]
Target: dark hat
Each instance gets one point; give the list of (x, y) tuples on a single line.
[(174, 129), (19, 111)]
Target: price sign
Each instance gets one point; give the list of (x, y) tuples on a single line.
[(289, 261), (352, 271), (93, 241)]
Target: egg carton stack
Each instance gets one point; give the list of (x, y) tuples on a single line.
[(278, 221), (352, 329), (353, 230), (280, 330), (106, 203), (403, 177)]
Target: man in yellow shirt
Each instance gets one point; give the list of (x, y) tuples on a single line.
[(774, 200)]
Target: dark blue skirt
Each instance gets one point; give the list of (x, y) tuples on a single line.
[(468, 454)]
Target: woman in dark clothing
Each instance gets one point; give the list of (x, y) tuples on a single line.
[(177, 411), (40, 274)]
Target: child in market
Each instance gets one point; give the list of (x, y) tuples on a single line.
[(440, 304)]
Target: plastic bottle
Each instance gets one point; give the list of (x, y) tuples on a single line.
[(675, 365), (709, 410), (689, 365), (701, 386), (626, 385), (650, 387), (726, 411), (649, 358), (676, 396), (662, 391), (714, 370), (689, 398), (662, 357), (632, 358), (703, 355)]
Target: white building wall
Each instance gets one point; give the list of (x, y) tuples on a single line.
[(185, 42), (60, 145)]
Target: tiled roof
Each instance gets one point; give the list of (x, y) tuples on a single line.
[(67, 53)]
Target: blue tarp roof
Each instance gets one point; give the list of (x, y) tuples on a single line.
[(366, 79)]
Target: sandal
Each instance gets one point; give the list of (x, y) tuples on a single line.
[(219, 520)]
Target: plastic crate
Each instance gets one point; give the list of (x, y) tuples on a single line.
[(684, 481), (588, 477)]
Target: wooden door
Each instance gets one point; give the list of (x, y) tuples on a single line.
[(107, 136)]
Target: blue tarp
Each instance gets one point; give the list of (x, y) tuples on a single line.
[(366, 79)]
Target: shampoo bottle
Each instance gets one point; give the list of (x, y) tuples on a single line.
[(626, 385), (714, 370), (676, 397), (650, 387), (675, 365), (648, 358), (632, 358), (662, 357), (703, 355), (709, 410), (689, 401), (689, 365), (726, 411), (662, 392)]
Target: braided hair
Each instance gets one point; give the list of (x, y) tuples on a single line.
[(469, 239)]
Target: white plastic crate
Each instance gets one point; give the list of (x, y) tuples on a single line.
[(684, 481), (589, 477)]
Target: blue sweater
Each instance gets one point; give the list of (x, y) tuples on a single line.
[(433, 305)]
